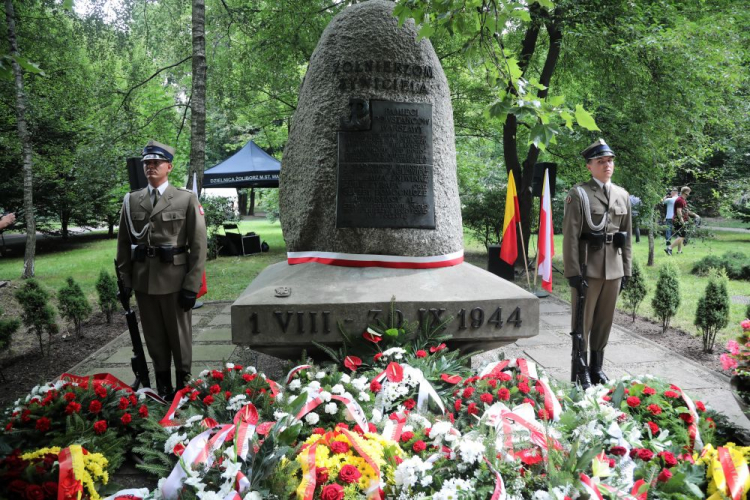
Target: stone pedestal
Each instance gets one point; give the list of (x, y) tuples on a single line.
[(488, 312)]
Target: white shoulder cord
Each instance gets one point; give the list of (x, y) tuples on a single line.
[(129, 221), (587, 211)]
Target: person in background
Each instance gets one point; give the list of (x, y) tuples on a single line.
[(669, 200), (635, 203), (7, 220), (681, 218)]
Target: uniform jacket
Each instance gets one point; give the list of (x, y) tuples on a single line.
[(608, 262), (176, 220)]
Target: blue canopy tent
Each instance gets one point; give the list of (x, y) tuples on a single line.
[(249, 167)]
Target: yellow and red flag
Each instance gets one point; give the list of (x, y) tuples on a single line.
[(509, 245)]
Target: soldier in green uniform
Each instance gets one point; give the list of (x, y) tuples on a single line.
[(597, 252), (161, 255)]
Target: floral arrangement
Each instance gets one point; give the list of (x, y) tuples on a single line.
[(54, 473), (737, 361)]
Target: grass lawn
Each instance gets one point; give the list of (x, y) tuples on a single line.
[(733, 223), (229, 276)]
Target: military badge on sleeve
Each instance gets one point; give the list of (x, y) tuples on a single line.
[(567, 200)]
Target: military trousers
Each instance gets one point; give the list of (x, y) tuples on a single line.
[(168, 331), (598, 312)]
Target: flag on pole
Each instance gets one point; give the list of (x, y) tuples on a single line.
[(204, 287), (509, 245), (546, 240)]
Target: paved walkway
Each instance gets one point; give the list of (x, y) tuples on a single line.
[(627, 353)]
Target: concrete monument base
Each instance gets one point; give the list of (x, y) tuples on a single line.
[(286, 307)]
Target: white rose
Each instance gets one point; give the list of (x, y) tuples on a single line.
[(338, 389), (312, 418)]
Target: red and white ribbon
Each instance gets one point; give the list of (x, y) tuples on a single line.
[(180, 398), (129, 494), (372, 260), (310, 476), (295, 371), (172, 487), (735, 479), (635, 492), (245, 422), (109, 380), (394, 426), (590, 487), (527, 369), (499, 493), (695, 436), (355, 411), (373, 491)]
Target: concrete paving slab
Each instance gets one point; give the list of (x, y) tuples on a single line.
[(212, 352), (722, 401), (547, 307), (554, 320), (628, 353), (195, 319), (550, 357), (681, 373), (123, 355), (227, 310), (221, 320), (214, 335), (123, 373), (545, 337)]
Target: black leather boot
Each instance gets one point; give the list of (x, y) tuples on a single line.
[(596, 360), (583, 378), (181, 378), (164, 384)]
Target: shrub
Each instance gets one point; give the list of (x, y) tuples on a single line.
[(703, 267), (636, 290), (667, 295), (736, 265), (747, 311), (483, 214), (712, 313), (106, 288), (74, 305), (218, 209), (7, 328), (37, 313)]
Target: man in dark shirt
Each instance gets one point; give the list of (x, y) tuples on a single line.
[(681, 217)]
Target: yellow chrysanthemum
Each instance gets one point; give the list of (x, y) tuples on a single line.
[(717, 481), (55, 450)]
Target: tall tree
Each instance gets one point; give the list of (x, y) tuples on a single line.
[(23, 136), (198, 95)]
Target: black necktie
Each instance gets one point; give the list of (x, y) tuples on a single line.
[(155, 197)]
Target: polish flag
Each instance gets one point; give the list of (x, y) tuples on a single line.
[(546, 239)]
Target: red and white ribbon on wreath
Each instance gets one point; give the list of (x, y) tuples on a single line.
[(635, 491), (373, 260), (245, 421), (179, 399), (310, 475), (129, 494), (735, 479), (172, 487), (499, 493), (529, 370), (352, 407), (109, 380), (590, 487), (503, 419), (373, 491), (295, 371), (394, 426), (693, 432), (394, 374)]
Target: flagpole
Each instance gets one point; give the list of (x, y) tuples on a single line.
[(525, 263)]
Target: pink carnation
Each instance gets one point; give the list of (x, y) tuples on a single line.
[(733, 347), (745, 324), (727, 362)]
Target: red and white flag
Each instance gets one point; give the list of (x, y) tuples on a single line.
[(546, 239), (204, 287)]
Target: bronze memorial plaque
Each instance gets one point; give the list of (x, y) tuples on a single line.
[(385, 166)]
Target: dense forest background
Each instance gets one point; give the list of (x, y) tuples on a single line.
[(664, 82)]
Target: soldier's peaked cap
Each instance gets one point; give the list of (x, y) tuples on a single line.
[(158, 151), (597, 150)]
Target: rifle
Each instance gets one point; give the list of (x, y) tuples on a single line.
[(138, 361), (578, 364)]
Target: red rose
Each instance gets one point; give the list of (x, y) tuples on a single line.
[(72, 408), (503, 394), (214, 389), (50, 489), (43, 424), (618, 451), (208, 400), (100, 391), (352, 362), (419, 446), (17, 486), (472, 409), (524, 388), (95, 407), (457, 404), (654, 409), (124, 403), (349, 474), (126, 419), (700, 406), (645, 454), (421, 353), (653, 427), (339, 447), (69, 396), (100, 427), (633, 401), (649, 391), (664, 476), (409, 404), (34, 492), (687, 418), (451, 379), (407, 436), (375, 386), (143, 411), (486, 398), (332, 492), (669, 459), (671, 394), (321, 475), (377, 356)]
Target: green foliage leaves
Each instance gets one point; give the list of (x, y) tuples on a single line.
[(712, 313), (667, 296), (584, 118), (636, 289), (74, 305), (106, 288), (38, 314)]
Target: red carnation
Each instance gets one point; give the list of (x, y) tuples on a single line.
[(372, 427), (100, 391), (486, 398), (124, 403), (671, 394), (649, 391), (208, 400), (332, 492), (524, 388), (654, 409), (339, 447), (409, 404), (618, 451), (321, 475), (228, 394), (700, 406), (193, 395), (126, 419), (375, 386), (217, 375), (530, 401), (543, 414), (419, 446), (468, 392), (687, 418), (248, 377), (606, 398), (69, 396), (407, 436), (664, 476), (43, 424), (450, 379), (633, 401), (342, 425), (492, 383), (214, 389), (100, 426), (645, 454), (457, 404), (143, 411), (349, 474), (421, 353), (653, 427), (352, 362), (319, 431), (472, 409), (503, 394), (72, 408), (133, 399)]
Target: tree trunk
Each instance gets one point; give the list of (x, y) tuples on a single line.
[(198, 95), (650, 261), (242, 202), (64, 223), (251, 209), (23, 136)]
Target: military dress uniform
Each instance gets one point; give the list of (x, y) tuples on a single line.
[(597, 232), (161, 253)]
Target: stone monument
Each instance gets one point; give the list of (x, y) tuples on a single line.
[(369, 203)]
